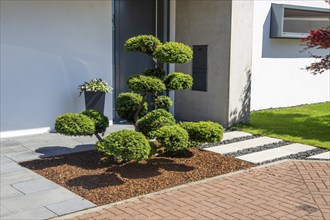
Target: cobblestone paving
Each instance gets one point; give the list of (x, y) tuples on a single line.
[(286, 190)]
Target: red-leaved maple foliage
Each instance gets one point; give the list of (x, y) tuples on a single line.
[(319, 39)]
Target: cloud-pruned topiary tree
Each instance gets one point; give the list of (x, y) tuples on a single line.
[(153, 81)]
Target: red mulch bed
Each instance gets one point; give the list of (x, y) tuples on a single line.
[(103, 181)]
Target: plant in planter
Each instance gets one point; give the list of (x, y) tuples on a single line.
[(94, 92)]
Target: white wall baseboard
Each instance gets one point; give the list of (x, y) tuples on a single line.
[(24, 132)]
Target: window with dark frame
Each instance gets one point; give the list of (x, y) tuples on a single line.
[(199, 70), (291, 21)]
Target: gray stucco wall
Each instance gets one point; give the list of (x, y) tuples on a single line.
[(205, 23), (240, 62), (226, 27), (48, 48)]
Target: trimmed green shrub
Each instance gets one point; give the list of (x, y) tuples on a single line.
[(162, 101), (143, 43), (141, 83), (156, 72), (127, 103), (173, 52), (173, 137), (101, 121), (125, 145), (178, 81), (203, 132), (154, 120), (74, 124)]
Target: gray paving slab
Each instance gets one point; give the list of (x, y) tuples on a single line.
[(35, 185), (36, 144), (8, 143), (8, 192), (4, 211), (325, 155), (241, 145), (23, 156), (10, 168), (17, 177), (271, 154), (14, 149), (234, 134), (33, 214), (38, 199), (69, 206), (4, 159), (27, 195)]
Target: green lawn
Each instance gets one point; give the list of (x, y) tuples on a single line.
[(307, 124)]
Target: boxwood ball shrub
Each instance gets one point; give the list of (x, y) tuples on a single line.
[(173, 52), (156, 72), (203, 132), (125, 145), (173, 137), (162, 101), (127, 103), (154, 120), (178, 81), (101, 121), (141, 83), (74, 124), (143, 43)]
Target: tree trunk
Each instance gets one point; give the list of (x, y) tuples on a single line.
[(140, 107)]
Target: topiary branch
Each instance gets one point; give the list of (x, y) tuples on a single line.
[(140, 107), (98, 137)]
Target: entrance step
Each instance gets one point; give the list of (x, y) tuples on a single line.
[(272, 154), (325, 155), (234, 134), (233, 147)]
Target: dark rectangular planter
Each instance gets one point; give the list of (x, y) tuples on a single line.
[(95, 100)]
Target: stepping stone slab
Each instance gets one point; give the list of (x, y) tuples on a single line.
[(241, 145), (325, 155), (234, 134), (272, 154)]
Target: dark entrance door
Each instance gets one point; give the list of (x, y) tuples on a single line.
[(131, 18)]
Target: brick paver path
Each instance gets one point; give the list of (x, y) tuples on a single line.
[(287, 190)]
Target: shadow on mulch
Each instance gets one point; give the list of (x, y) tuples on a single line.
[(102, 180)]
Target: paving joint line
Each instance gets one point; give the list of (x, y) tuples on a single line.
[(319, 209), (50, 210)]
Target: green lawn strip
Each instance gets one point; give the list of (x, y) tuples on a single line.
[(307, 124)]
